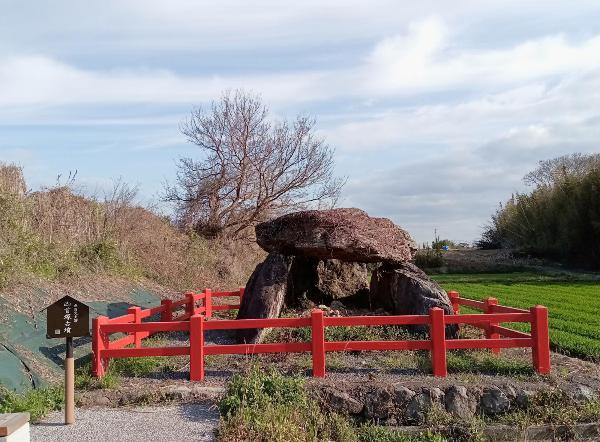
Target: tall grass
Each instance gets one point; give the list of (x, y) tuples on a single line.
[(60, 232)]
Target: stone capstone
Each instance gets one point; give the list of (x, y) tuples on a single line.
[(347, 234)]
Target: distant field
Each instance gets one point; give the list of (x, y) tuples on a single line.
[(573, 303)]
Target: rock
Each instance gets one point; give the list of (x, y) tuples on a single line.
[(402, 394), (340, 402), (323, 281), (523, 398), (337, 279), (379, 404), (581, 393), (346, 234), (494, 401), (178, 392), (264, 294), (337, 305), (458, 403), (418, 407), (407, 290), (436, 394)]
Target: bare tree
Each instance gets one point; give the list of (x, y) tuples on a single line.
[(250, 168), (550, 172)]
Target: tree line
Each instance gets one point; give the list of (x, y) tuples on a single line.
[(559, 218)]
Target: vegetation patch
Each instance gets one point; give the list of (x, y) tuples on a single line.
[(268, 406), (574, 305), (38, 402)]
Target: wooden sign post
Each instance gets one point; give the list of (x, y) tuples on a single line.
[(68, 318)]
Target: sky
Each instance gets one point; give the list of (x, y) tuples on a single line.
[(435, 110)]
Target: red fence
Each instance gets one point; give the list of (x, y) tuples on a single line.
[(195, 320)]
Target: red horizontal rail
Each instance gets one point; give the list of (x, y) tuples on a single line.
[(478, 318), (225, 307), (284, 347), (122, 342), (508, 332), (145, 351), (376, 345), (341, 321), (453, 344), (152, 327), (504, 309), (233, 324), (180, 302), (225, 294), (121, 319), (196, 320), (153, 311), (479, 305)]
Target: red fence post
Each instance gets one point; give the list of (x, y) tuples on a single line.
[(190, 306), (454, 297), (197, 348), (318, 343), (137, 337), (99, 343), (438, 342), (540, 339), (208, 302), (167, 314), (489, 308)]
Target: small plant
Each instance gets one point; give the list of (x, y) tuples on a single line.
[(368, 433), (38, 402), (258, 388)]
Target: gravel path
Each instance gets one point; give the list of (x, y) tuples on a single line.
[(166, 423)]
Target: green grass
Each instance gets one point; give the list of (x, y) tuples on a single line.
[(38, 402), (573, 304), (265, 405), (129, 367)]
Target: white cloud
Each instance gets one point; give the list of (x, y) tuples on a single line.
[(422, 60), (448, 103)]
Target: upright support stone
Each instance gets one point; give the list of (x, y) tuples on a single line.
[(438, 342)]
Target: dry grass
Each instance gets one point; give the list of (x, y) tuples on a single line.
[(59, 233)]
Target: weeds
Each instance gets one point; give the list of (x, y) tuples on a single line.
[(268, 406), (38, 402)]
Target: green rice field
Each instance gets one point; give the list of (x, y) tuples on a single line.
[(573, 304)]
